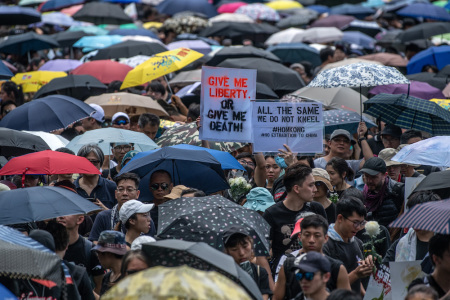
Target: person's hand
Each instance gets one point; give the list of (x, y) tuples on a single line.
[(100, 204), (362, 129), (363, 270), (289, 157)]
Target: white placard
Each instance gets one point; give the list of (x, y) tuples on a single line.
[(402, 273)]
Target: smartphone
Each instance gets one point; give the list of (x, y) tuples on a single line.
[(91, 199)]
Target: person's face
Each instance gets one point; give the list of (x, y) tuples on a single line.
[(70, 222), (414, 140), (31, 181), (247, 161), (7, 109), (121, 123), (155, 95), (242, 252), (87, 123), (315, 285), (272, 169), (93, 159), (119, 152), (393, 171), (389, 141), (326, 148), (136, 265), (5, 96), (313, 239), (406, 170), (150, 131), (335, 178), (374, 182), (351, 225), (160, 185), (321, 190), (339, 55), (126, 190), (307, 190), (443, 263), (142, 222), (340, 145)]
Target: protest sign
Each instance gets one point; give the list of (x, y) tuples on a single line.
[(402, 273), (225, 104), (379, 287), (297, 124)]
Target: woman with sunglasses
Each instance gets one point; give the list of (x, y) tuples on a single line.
[(324, 188), (135, 216)]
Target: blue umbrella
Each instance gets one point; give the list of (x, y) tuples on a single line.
[(431, 152), (192, 36), (369, 28), (343, 119), (16, 15), (438, 56), (360, 39), (295, 52), (171, 7), (98, 42), (5, 73), (6, 294), (358, 11), (141, 32), (52, 5), (425, 10), (47, 114), (320, 8), (91, 29), (57, 18), (192, 168)]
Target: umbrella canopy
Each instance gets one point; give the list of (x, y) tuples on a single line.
[(356, 10), (357, 75), (369, 28), (176, 283), (230, 7), (424, 10), (52, 5), (444, 72), (106, 71), (47, 114), (259, 11), (295, 52), (409, 112), (105, 136), (57, 18), (89, 29), (430, 216), (15, 143), (197, 169), (192, 219), (229, 17), (63, 65), (387, 38), (38, 78), (199, 256), (77, 86), (25, 258), (23, 43), (415, 88), (240, 52), (187, 77), (431, 152), (188, 134), (276, 76), (102, 13), (387, 59), (128, 49), (346, 62), (131, 104), (97, 42), (16, 15), (298, 19), (359, 40), (48, 162), (344, 119), (134, 61), (284, 4), (338, 21), (196, 45), (159, 65), (171, 7), (334, 98), (53, 141), (437, 56), (5, 72), (424, 31), (320, 35), (41, 203), (133, 32), (284, 36), (68, 38), (435, 181)]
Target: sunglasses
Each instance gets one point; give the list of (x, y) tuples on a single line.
[(94, 162), (306, 275), (156, 186), (129, 272), (121, 122)]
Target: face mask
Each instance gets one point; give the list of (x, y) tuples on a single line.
[(280, 162)]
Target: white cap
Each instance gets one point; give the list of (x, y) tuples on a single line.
[(143, 239), (120, 114), (99, 113), (133, 207)]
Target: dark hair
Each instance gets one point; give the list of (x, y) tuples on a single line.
[(409, 134), (421, 197), (295, 174), (343, 294), (5, 104), (60, 235), (147, 118), (315, 221), (340, 165), (438, 244), (10, 87), (309, 159), (240, 239), (246, 155), (197, 193), (353, 192), (308, 67), (156, 87), (139, 254), (161, 172), (421, 288), (194, 111), (325, 53), (347, 205), (65, 150), (430, 67), (86, 149), (114, 86), (128, 176)]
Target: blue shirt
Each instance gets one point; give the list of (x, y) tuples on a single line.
[(104, 191)]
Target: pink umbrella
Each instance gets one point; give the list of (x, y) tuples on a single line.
[(106, 71), (417, 89), (230, 7), (72, 10)]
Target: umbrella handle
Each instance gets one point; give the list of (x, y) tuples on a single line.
[(360, 104), (407, 96), (168, 85)]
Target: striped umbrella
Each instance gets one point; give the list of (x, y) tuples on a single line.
[(432, 216)]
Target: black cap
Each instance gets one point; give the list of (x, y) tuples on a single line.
[(373, 166), (313, 262), (392, 130), (227, 234), (44, 238)]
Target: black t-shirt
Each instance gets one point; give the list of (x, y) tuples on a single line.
[(331, 213), (105, 173), (81, 280), (282, 222), (78, 254), (261, 278), (428, 281)]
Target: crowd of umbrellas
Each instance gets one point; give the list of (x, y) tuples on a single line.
[(395, 69)]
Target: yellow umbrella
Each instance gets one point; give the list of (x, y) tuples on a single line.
[(180, 283), (159, 65), (129, 103), (284, 4), (149, 25), (444, 103), (36, 79)]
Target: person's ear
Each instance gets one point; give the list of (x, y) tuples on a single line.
[(326, 238), (132, 221), (80, 220), (339, 218), (326, 277), (138, 192)]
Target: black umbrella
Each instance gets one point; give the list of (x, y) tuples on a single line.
[(298, 19), (68, 38), (240, 52), (172, 253), (77, 86), (264, 92), (23, 43), (16, 15), (389, 37), (102, 13), (434, 181), (129, 49), (276, 76), (430, 78), (444, 72), (16, 143), (205, 219), (424, 31)]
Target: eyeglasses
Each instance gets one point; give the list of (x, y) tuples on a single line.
[(122, 148), (94, 162), (128, 190), (155, 186), (248, 163), (357, 224), (306, 275), (121, 122)]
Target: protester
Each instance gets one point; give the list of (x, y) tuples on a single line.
[(6, 107), (120, 120), (160, 185), (321, 196), (133, 262), (390, 136), (340, 173), (135, 216), (393, 168), (118, 150), (96, 120), (149, 125)]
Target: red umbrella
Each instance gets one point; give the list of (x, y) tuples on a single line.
[(106, 71), (230, 7), (48, 162)]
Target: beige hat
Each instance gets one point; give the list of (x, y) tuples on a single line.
[(387, 154), (176, 192), (322, 175)]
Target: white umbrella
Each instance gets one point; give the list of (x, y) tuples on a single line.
[(320, 35), (349, 61), (135, 60), (227, 17), (54, 141), (285, 36)]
